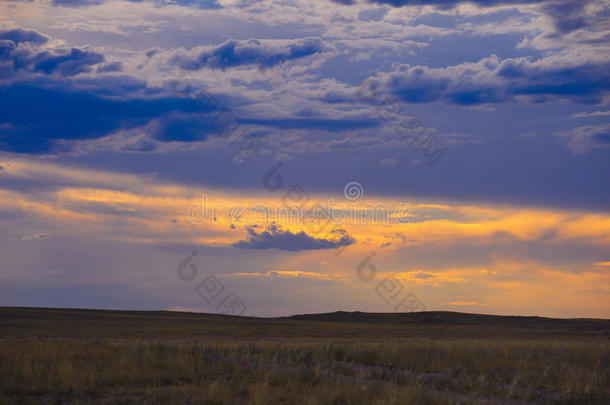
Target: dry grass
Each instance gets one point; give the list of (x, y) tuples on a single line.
[(203, 363), (148, 371)]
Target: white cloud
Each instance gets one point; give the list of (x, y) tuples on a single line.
[(584, 139), (389, 161), (591, 114)]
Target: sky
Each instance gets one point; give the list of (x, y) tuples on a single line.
[(268, 158)]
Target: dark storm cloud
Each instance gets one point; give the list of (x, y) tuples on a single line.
[(34, 117), (182, 127), (19, 50), (314, 123), (567, 15), (588, 80), (274, 237), (20, 35), (45, 101), (6, 48), (235, 53), (491, 81), (63, 62)]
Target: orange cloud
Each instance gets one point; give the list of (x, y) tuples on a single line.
[(112, 206)]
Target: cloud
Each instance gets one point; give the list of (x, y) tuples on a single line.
[(453, 3), (36, 118), (64, 62), (277, 274), (77, 3), (20, 49), (584, 139), (596, 291), (205, 4), (389, 162), (375, 14), (110, 67), (465, 303), (591, 114), (234, 53), (493, 81), (46, 105), (37, 236), (274, 237), (346, 124), (566, 16), (422, 276), (345, 2), (20, 35)]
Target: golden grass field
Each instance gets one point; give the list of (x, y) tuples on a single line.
[(57, 356)]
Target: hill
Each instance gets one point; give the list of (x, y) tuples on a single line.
[(21, 321), (458, 318)]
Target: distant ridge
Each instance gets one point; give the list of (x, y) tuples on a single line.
[(385, 319), (455, 318)]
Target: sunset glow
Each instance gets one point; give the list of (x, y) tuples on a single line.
[(312, 156)]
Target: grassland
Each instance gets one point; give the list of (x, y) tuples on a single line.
[(85, 356)]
